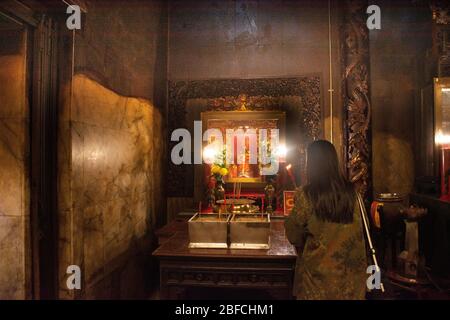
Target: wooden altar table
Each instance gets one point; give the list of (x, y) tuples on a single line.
[(182, 269)]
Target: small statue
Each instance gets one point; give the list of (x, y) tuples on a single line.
[(410, 261), (243, 100), (269, 191)]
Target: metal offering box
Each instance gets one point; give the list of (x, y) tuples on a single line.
[(250, 231), (208, 230)]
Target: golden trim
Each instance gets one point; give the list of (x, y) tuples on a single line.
[(279, 116), (439, 84)]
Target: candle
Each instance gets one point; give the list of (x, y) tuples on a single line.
[(262, 207), (225, 202), (443, 191), (445, 167), (239, 190), (289, 170)]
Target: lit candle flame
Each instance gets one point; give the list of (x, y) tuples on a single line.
[(441, 138), (209, 154), (281, 151), (288, 169)]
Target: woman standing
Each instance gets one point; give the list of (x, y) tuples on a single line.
[(326, 228)]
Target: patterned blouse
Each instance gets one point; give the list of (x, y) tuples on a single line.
[(332, 261)]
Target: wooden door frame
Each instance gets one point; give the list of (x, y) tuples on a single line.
[(42, 89), (44, 160)]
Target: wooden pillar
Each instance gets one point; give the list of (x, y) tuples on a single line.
[(355, 67)]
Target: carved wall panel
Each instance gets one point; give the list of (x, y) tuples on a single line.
[(441, 11), (441, 36), (228, 94), (356, 95)]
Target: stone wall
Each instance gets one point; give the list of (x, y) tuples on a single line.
[(255, 39), (397, 53), (248, 39), (14, 159), (112, 149)]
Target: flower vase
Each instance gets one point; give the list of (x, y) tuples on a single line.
[(219, 191)]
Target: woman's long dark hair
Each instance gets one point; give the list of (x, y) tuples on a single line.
[(331, 194)]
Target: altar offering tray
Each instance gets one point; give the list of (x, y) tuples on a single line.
[(239, 205), (208, 230), (250, 231)]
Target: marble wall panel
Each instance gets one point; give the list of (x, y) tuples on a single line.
[(14, 158), (13, 166), (12, 79), (111, 128), (12, 249), (93, 241), (114, 172), (107, 112), (65, 251)]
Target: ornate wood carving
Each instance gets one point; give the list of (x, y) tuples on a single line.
[(441, 36), (235, 278), (277, 282), (227, 95), (356, 95), (266, 271), (441, 11), (244, 103)]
